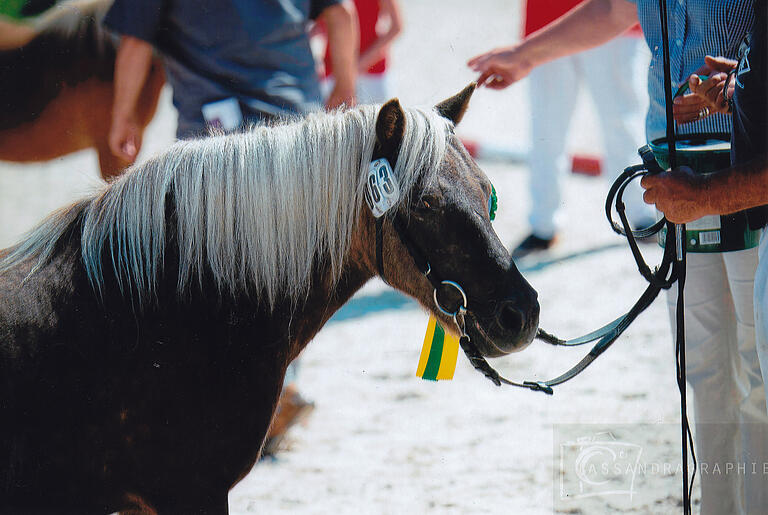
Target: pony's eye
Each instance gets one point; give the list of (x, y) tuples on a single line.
[(425, 204)]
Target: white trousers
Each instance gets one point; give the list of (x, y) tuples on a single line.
[(722, 366), (615, 77)]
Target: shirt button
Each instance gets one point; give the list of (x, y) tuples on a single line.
[(679, 42)]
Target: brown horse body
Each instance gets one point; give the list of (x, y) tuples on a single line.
[(56, 96)]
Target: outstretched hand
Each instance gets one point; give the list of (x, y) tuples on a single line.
[(501, 67), (680, 194), (706, 96)]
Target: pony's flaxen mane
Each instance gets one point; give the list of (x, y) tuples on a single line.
[(256, 210)]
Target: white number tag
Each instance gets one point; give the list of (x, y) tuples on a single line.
[(381, 189)]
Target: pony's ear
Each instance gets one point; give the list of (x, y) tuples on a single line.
[(455, 107), (390, 128)]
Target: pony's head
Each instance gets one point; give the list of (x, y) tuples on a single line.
[(438, 244)]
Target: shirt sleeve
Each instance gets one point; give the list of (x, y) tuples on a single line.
[(138, 18), (317, 7)]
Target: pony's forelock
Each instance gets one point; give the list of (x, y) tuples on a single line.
[(256, 210)]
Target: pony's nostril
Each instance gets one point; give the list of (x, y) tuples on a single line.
[(510, 318)]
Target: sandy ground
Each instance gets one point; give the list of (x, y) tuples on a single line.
[(381, 440)]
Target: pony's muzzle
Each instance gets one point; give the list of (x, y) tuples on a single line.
[(517, 320)]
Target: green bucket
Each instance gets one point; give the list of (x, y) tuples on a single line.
[(707, 153)]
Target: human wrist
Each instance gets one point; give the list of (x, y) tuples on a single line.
[(346, 83), (122, 117), (533, 52)]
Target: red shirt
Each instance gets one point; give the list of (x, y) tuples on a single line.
[(540, 13), (367, 16)]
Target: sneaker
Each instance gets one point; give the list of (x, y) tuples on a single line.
[(292, 409), (532, 244)]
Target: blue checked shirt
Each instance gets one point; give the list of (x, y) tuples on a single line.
[(696, 28)]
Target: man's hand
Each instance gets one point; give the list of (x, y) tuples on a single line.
[(681, 194), (501, 67), (125, 138), (706, 97)]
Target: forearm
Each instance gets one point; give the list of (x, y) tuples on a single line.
[(586, 26), (132, 64), (378, 49), (737, 188), (341, 23)]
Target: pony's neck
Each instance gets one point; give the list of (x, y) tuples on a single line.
[(328, 296)]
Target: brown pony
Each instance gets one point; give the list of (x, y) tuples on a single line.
[(56, 94), (145, 331)]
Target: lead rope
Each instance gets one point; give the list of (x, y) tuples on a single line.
[(685, 428)]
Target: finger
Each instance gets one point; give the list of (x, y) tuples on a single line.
[(720, 64), (647, 181), (720, 101), (688, 107), (715, 81), (130, 148), (691, 99), (649, 197), (694, 81), (686, 118), (704, 69), (124, 155), (484, 77), (477, 60), (715, 98), (481, 65), (497, 82), (491, 79), (687, 113), (114, 147)]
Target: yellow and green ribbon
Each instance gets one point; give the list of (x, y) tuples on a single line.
[(438, 354)]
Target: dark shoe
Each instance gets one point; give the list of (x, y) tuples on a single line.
[(531, 245), (292, 409)]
